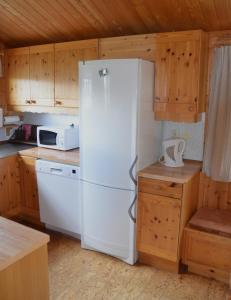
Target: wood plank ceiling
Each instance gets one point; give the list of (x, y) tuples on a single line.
[(28, 22)]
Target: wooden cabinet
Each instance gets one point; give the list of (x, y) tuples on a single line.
[(18, 84), (67, 57), (42, 75), (30, 76), (30, 199), (9, 187), (164, 207), (180, 77)]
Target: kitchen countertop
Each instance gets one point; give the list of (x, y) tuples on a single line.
[(71, 157), (17, 241), (8, 149), (179, 175)]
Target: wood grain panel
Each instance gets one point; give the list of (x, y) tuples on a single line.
[(67, 57), (10, 191), (30, 199), (158, 226), (214, 194), (42, 75), (18, 76), (160, 187), (47, 21)]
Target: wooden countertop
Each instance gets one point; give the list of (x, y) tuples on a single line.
[(17, 241), (71, 157), (178, 175)]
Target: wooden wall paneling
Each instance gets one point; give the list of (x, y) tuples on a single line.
[(42, 75), (214, 194), (67, 57), (38, 22), (2, 79), (18, 88)]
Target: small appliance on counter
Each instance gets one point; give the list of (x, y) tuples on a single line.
[(173, 150), (58, 138), (25, 134)]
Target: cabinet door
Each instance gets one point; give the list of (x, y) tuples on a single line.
[(30, 200), (163, 71), (67, 57), (9, 187), (184, 79), (158, 225), (18, 76), (42, 75)]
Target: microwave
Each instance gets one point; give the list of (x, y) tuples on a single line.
[(59, 138)]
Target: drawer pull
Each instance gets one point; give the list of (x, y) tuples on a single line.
[(33, 101), (58, 102), (28, 102)]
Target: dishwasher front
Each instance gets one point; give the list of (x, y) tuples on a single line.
[(59, 196)]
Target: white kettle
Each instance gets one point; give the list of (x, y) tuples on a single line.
[(173, 150)]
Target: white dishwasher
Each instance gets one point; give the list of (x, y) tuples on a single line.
[(59, 196)]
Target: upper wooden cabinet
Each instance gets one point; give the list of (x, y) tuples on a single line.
[(42, 75), (67, 57), (30, 76), (180, 77), (18, 84)]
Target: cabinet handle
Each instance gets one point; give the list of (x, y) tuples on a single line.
[(33, 101), (57, 102), (28, 102)]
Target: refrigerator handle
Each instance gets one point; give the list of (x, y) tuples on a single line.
[(130, 209), (131, 170)]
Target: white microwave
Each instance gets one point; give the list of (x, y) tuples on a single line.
[(59, 138)]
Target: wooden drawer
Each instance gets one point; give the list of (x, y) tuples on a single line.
[(207, 254), (158, 225), (160, 187)]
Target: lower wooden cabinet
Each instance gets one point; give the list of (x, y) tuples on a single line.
[(9, 187), (163, 210), (29, 190)]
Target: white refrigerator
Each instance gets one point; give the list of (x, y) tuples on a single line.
[(118, 137)]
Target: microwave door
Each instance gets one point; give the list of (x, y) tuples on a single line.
[(48, 138)]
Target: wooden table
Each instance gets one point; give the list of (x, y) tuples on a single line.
[(23, 262)]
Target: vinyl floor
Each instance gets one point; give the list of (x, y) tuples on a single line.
[(77, 274)]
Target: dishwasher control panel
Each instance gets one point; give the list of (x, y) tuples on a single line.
[(57, 169)]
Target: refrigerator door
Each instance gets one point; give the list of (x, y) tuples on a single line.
[(108, 121), (106, 225)]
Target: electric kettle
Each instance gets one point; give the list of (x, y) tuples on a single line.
[(173, 150)]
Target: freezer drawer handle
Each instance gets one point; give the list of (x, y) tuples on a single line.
[(130, 209), (131, 170)]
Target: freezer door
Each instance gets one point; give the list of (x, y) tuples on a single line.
[(108, 121), (106, 225)]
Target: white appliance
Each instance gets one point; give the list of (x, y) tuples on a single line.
[(118, 137), (173, 150), (59, 200), (59, 138)]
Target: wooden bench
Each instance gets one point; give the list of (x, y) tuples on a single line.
[(207, 244)]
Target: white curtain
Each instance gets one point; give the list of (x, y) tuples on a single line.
[(217, 158)]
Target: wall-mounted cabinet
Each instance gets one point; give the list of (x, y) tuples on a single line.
[(45, 78), (67, 57), (18, 69), (180, 78), (42, 75)]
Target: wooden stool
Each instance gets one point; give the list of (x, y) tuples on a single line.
[(207, 244)]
